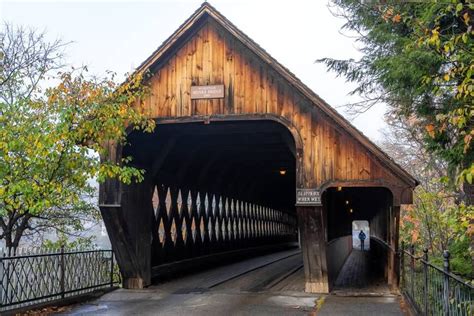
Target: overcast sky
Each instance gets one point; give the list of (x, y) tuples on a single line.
[(119, 35)]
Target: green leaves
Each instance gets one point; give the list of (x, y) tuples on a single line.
[(50, 147), (436, 221)]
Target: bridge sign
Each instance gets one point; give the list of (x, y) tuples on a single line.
[(308, 197), (207, 92)]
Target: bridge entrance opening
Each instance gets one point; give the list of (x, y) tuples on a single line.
[(349, 211), (214, 190)]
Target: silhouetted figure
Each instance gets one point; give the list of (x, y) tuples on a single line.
[(362, 239)]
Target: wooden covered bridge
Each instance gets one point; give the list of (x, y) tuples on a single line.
[(245, 159)]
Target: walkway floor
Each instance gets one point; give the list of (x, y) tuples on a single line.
[(268, 285), (361, 274), (335, 305)]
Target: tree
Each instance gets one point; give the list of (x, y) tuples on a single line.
[(436, 220), (51, 140), (26, 58), (404, 142), (419, 59)]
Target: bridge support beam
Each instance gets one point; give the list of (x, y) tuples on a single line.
[(128, 222), (313, 244)]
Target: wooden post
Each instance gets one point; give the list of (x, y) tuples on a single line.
[(126, 211), (312, 230), (137, 210)]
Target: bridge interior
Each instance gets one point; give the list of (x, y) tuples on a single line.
[(349, 268), (213, 188)]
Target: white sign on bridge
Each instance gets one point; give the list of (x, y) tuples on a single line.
[(308, 197)]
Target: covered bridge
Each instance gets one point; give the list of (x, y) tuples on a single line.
[(245, 157)]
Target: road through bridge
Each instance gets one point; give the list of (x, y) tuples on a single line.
[(246, 160)]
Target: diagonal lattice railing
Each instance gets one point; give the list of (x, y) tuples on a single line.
[(190, 224), (36, 278)]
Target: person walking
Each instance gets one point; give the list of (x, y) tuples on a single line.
[(362, 237)]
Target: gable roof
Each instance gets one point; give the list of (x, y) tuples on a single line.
[(206, 11)]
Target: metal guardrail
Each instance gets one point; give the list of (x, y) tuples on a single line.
[(433, 290), (26, 280)]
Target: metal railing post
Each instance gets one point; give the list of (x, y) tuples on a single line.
[(402, 264), (62, 279), (425, 276), (412, 271), (2, 273), (446, 283), (112, 267)]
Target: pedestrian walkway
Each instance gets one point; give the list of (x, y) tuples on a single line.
[(361, 274), (334, 305)]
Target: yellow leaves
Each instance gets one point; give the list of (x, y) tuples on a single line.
[(434, 38), (466, 17), (52, 98), (397, 18), (430, 129), (387, 14), (468, 138), (414, 235), (446, 77)]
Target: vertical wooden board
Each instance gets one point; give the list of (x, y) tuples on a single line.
[(286, 103), (342, 158), (184, 83), (229, 74), (240, 73), (353, 166), (314, 150), (161, 92), (195, 64), (149, 102), (273, 92), (280, 98), (198, 59), (267, 93), (218, 59), (307, 121), (262, 91), (181, 80), (166, 78), (248, 85), (206, 66), (333, 153), (158, 95), (172, 87), (337, 145), (364, 166), (329, 151)]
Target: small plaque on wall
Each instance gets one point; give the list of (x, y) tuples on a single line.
[(308, 197), (207, 92)]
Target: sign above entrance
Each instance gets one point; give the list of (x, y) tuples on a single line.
[(207, 92), (308, 197)]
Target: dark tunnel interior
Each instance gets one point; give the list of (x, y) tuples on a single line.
[(344, 205), (251, 160)]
